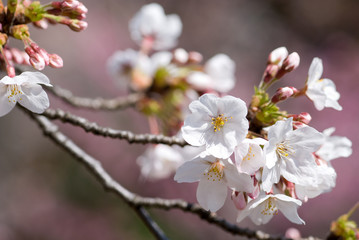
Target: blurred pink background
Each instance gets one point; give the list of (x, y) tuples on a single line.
[(46, 195)]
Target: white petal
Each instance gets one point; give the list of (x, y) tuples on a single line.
[(211, 195), (288, 206), (200, 80), (35, 77), (191, 171), (35, 103), (315, 70), (240, 182), (5, 105), (270, 177)]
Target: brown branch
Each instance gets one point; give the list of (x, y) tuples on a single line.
[(95, 103), (134, 200), (94, 128)]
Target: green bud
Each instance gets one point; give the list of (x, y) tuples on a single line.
[(35, 11)]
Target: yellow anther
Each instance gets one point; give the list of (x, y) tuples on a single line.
[(219, 122)]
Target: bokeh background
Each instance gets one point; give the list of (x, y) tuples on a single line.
[(46, 195)]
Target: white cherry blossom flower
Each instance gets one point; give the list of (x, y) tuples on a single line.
[(289, 153), (263, 208), (152, 23), (159, 161), (334, 146), (215, 175), (218, 74), (130, 68), (218, 123), (321, 91), (26, 90), (249, 155)]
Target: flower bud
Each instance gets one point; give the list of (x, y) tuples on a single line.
[(20, 31), (180, 56), (194, 57), (282, 94), (291, 62), (303, 117), (42, 24), (277, 56), (55, 61), (297, 125), (10, 71), (239, 199), (16, 56), (293, 233), (77, 25), (270, 73), (3, 39)]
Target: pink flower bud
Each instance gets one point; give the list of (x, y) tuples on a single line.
[(282, 94), (42, 24), (293, 233), (277, 56), (77, 25), (81, 9), (291, 62), (55, 61), (303, 117), (195, 57), (270, 73), (17, 56), (70, 4), (180, 56), (297, 125), (37, 61), (10, 71), (239, 200)]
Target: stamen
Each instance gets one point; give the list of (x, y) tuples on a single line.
[(219, 122), (284, 150), (215, 173), (14, 93), (270, 208)]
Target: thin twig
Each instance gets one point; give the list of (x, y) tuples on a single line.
[(152, 225), (94, 128), (95, 103), (134, 200)]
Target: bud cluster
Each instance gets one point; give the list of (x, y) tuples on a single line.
[(14, 20)]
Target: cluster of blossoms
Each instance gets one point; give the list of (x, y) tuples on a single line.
[(270, 160), (14, 20)]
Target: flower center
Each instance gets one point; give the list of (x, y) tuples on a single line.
[(270, 208), (249, 155), (14, 93), (215, 173), (219, 122), (284, 150)]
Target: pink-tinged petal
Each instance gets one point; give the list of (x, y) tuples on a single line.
[(211, 194), (5, 104), (278, 55), (35, 103), (315, 70), (253, 160), (239, 153), (191, 171), (239, 200)]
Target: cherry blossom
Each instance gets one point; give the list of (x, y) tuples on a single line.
[(215, 175), (26, 90), (218, 74), (289, 152), (321, 91), (218, 123), (152, 25), (262, 209)]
